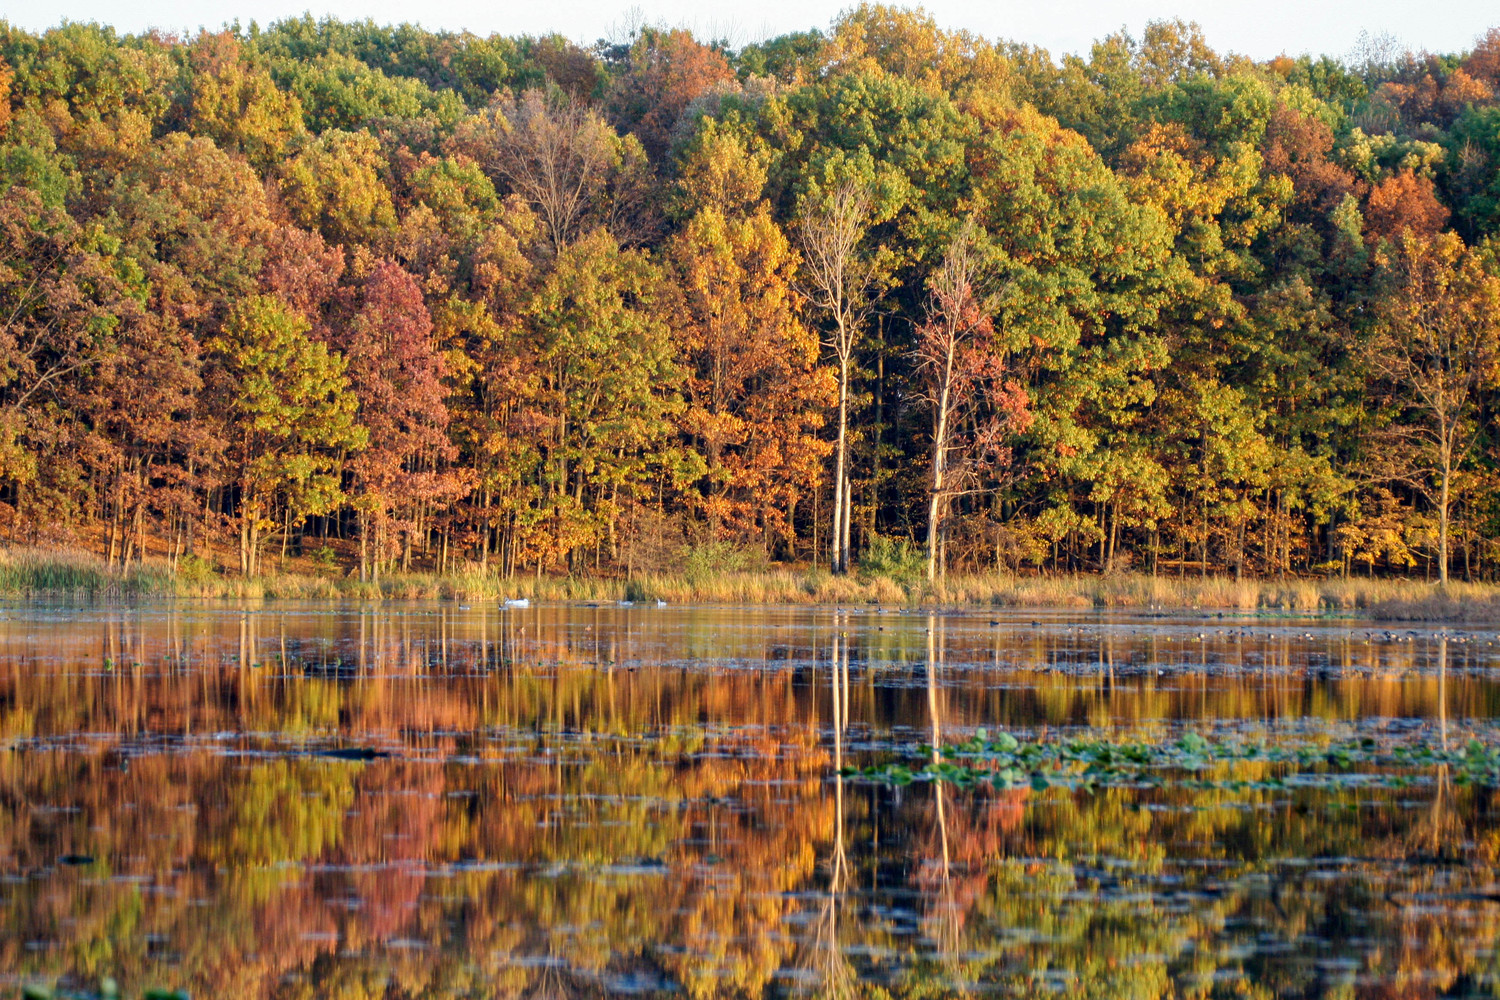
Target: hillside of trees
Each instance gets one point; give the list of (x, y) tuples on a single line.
[(423, 299)]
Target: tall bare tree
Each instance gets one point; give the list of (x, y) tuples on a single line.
[(1436, 351), (841, 279), (962, 370)]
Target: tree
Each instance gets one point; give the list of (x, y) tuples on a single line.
[(338, 91), (1298, 145), (7, 77), (67, 301), (756, 395), (1474, 152), (396, 374), (613, 247), (491, 360), (1082, 275), (1404, 201), (1435, 351), (1484, 62), (198, 219), (565, 162), (334, 185), (879, 38), (237, 105), (962, 365), (288, 416), (605, 387), (841, 278), (667, 70)]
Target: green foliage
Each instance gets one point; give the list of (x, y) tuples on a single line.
[(288, 412), (340, 92), (334, 185), (195, 570), (792, 58), (895, 558), (711, 559), (29, 158)]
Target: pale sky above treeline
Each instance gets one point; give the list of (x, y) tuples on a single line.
[(1257, 28)]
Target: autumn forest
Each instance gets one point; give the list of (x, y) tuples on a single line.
[(878, 294)]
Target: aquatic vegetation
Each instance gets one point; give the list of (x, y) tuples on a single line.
[(1192, 761), (108, 990)]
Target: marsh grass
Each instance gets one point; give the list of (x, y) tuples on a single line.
[(62, 573), (1391, 599), (71, 573)]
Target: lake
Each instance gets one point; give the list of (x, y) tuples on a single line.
[(438, 800)]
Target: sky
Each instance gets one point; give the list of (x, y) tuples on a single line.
[(1257, 28)]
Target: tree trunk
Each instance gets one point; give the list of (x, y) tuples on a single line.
[(251, 542), (244, 543), (939, 466), (1114, 536), (1443, 504), (934, 502), (848, 520), (140, 532), (836, 552)]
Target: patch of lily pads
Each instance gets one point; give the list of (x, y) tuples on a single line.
[(1192, 761), (108, 990)]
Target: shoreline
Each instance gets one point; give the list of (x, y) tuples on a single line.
[(33, 574)]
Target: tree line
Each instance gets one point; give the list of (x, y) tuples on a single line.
[(833, 298)]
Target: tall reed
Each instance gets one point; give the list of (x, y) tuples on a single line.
[(72, 573)]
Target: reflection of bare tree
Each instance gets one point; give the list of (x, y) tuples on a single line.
[(1442, 830), (550, 983), (840, 681), (934, 715), (824, 960), (1443, 689), (944, 900)]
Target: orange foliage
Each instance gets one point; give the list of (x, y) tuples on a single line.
[(1484, 62), (1298, 145), (1403, 202), (6, 77), (669, 70)]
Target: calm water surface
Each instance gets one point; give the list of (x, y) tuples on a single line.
[(431, 800)]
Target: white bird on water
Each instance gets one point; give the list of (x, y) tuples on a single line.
[(516, 602)]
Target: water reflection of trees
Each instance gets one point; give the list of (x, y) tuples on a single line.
[(569, 807), (823, 967)]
